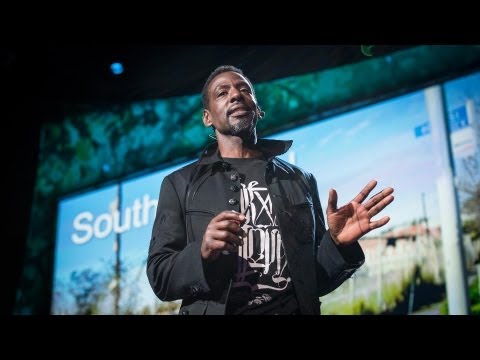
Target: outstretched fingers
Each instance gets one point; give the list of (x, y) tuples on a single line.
[(379, 223), (380, 206), (332, 201), (375, 199), (365, 191)]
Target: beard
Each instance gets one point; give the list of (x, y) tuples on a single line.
[(243, 127)]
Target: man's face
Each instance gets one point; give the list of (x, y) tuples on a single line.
[(233, 107)]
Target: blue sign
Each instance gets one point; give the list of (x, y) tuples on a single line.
[(458, 118), (422, 130)]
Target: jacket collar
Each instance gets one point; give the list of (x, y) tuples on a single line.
[(269, 148)]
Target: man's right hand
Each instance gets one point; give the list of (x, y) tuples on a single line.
[(223, 233)]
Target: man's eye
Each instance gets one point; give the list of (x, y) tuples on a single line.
[(244, 90), (222, 93)]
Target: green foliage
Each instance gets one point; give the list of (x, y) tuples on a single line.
[(84, 149), (392, 294), (473, 293), (471, 228), (469, 185), (474, 296), (475, 310), (166, 308), (360, 306), (444, 307)]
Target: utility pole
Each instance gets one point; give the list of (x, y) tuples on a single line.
[(452, 234), (116, 249), (425, 218)]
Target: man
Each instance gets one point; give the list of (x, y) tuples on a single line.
[(241, 231)]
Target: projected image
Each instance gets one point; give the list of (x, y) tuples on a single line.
[(463, 109), (390, 142), (101, 250)]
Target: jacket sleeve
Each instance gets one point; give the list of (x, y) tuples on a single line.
[(174, 268), (334, 264)]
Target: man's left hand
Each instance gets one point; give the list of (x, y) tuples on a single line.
[(353, 220)]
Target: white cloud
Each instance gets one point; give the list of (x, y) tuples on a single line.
[(356, 129), (326, 139)]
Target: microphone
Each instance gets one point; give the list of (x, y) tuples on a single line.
[(212, 135)]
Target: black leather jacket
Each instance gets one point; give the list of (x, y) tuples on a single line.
[(192, 196)]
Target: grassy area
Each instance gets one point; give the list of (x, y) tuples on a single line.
[(392, 295), (395, 298), (474, 296)]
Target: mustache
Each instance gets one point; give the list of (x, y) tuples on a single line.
[(238, 107)]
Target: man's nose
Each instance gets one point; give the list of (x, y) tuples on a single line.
[(235, 95)]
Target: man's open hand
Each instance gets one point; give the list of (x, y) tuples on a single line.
[(353, 220)]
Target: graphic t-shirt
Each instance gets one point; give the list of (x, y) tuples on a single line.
[(262, 282)]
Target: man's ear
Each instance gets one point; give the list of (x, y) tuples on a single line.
[(207, 121)]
